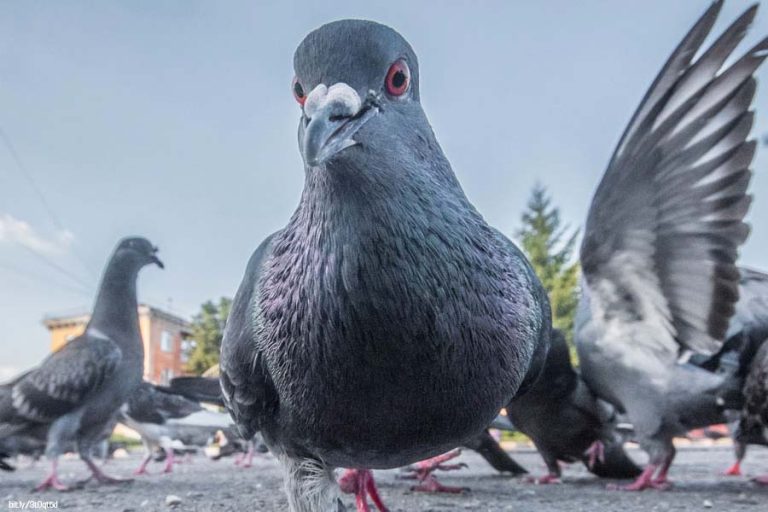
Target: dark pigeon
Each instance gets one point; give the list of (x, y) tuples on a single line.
[(661, 241), (162, 417), (753, 426), (741, 359), (387, 322), (76, 391), (567, 423)]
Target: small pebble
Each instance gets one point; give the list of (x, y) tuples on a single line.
[(172, 500), (707, 504)]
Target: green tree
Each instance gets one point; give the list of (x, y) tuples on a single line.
[(207, 332), (549, 247)]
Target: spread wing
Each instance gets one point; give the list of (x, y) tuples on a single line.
[(666, 221), (156, 404), (66, 379), (248, 391)]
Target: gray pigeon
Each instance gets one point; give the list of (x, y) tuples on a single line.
[(661, 241), (753, 426), (76, 391), (161, 416), (567, 422), (387, 322)]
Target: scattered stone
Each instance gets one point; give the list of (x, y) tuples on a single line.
[(707, 504), (172, 500)]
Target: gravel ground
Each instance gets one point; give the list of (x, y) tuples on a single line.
[(204, 485)]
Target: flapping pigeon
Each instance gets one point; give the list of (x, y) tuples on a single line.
[(161, 417), (661, 241), (387, 322), (76, 391), (567, 423)]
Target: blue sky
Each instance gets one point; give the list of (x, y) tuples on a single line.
[(175, 120)]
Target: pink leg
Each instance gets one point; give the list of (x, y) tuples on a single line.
[(52, 480), (142, 469), (661, 481), (422, 471), (596, 452), (101, 477), (762, 479), (249, 455), (360, 482), (734, 470), (644, 481), (169, 460)]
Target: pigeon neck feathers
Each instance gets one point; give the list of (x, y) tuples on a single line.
[(115, 312)]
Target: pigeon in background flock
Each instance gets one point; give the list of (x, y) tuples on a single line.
[(76, 392), (661, 242)]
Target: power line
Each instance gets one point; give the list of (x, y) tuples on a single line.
[(42, 279), (39, 193), (74, 277)]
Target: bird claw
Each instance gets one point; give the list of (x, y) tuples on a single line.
[(761, 480), (734, 470), (431, 485), (595, 452), (544, 480)]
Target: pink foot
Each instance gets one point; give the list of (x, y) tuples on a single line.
[(761, 480), (142, 469), (360, 482), (52, 482), (734, 470), (643, 482), (102, 477), (169, 460), (422, 471), (431, 485), (596, 452), (544, 480)]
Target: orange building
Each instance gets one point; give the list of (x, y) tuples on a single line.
[(166, 340)]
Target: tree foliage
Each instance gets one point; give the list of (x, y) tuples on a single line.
[(207, 333), (549, 246)]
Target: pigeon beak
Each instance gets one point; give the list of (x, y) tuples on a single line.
[(154, 259), (332, 116)]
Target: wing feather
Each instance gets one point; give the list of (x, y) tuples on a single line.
[(666, 222)]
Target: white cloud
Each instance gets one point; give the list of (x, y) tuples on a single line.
[(16, 231), (7, 373)]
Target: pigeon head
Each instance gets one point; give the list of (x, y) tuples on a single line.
[(357, 83), (137, 252)]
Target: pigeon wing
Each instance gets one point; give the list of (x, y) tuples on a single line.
[(666, 221), (66, 378), (247, 387)]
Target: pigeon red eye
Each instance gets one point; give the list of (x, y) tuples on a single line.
[(298, 91), (398, 78)]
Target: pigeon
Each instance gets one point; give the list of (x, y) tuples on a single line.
[(387, 322), (76, 391), (161, 417), (748, 333), (567, 423), (661, 241), (753, 425)]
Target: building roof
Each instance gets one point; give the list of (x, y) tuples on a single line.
[(79, 317)]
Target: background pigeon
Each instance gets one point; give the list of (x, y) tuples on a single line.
[(76, 391), (387, 322), (753, 427), (564, 420), (661, 240), (161, 417)]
